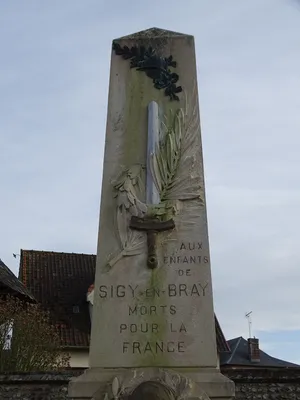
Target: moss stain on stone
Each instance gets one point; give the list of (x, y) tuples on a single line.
[(133, 137), (139, 93), (155, 283)]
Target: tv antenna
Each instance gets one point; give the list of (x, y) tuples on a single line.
[(248, 316)]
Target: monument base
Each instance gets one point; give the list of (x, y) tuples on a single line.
[(181, 383)]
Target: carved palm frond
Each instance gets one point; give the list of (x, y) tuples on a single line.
[(165, 160), (172, 164)]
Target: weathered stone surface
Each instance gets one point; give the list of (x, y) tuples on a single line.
[(164, 316), (153, 384), (152, 33)]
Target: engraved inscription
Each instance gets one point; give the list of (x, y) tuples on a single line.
[(171, 290), (186, 260), (153, 348), (151, 310), (191, 246), (152, 322), (149, 328)]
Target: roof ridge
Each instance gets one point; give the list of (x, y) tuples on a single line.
[(234, 349), (221, 336), (279, 359), (4, 266), (10, 280), (57, 252)]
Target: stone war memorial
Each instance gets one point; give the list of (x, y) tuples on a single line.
[(153, 334)]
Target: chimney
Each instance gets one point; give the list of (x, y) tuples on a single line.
[(253, 350)]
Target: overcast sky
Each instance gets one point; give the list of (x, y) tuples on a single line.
[(54, 73)]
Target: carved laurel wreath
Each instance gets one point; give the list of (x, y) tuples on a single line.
[(156, 67), (178, 386), (171, 168)]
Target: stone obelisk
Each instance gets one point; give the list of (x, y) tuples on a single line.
[(153, 319)]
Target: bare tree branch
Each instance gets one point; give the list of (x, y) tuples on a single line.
[(28, 342)]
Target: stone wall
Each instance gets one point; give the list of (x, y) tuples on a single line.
[(266, 384), (258, 384), (36, 386)]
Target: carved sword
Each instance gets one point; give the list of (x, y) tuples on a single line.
[(151, 225)]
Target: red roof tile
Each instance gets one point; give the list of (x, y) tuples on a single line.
[(59, 281)]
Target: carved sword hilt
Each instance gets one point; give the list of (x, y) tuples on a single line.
[(151, 226)]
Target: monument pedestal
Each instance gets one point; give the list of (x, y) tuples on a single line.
[(186, 383)]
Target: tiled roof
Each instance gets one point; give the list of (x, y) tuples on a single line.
[(60, 282), (10, 284), (239, 357)]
